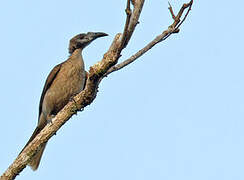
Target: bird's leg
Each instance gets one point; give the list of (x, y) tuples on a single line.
[(49, 120), (76, 106)]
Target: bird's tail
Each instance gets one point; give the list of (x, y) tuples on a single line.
[(35, 161)]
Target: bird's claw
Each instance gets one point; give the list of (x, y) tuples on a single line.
[(76, 109), (50, 120)]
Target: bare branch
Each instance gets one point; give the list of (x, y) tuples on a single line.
[(138, 5), (173, 28), (188, 5), (171, 11), (124, 35), (131, 21)]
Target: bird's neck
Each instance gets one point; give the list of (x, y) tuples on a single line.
[(76, 58), (76, 54)]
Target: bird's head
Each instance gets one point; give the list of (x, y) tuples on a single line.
[(80, 41)]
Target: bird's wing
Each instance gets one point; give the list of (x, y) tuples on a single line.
[(52, 75)]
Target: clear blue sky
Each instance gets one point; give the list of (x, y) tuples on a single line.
[(175, 114)]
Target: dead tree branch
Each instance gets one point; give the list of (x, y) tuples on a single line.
[(173, 28), (128, 13), (96, 73)]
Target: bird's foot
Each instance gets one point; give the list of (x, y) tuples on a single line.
[(50, 120), (75, 109)]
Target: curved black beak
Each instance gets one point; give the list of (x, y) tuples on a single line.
[(95, 35)]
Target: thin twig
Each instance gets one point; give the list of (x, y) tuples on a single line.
[(171, 11), (173, 28), (127, 22), (189, 5), (138, 6)]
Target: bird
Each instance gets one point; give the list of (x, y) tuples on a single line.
[(63, 82)]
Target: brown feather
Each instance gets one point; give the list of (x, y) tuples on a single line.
[(37, 158), (48, 83)]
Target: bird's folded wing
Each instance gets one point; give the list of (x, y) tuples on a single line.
[(49, 81)]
